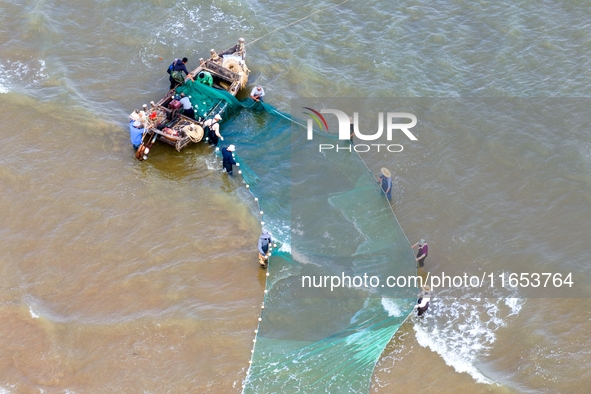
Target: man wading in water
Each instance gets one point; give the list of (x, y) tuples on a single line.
[(264, 242), (422, 252)]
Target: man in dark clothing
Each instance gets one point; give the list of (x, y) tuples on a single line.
[(176, 73), (236, 50), (422, 253), (212, 130), (264, 242), (228, 160)]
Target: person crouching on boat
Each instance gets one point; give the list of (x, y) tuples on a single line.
[(264, 242), (205, 78), (212, 128), (136, 132), (228, 159), (237, 50), (187, 107)]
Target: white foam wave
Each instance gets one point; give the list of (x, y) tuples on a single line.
[(391, 307), (29, 73), (33, 314), (463, 331), (213, 164)]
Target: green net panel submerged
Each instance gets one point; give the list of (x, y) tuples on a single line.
[(331, 219)]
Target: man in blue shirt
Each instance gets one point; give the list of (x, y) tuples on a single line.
[(264, 242), (386, 182), (136, 132), (228, 160)]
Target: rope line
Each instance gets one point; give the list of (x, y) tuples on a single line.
[(293, 23)]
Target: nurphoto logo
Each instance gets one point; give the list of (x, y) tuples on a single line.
[(349, 128)]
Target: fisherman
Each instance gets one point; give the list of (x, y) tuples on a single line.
[(205, 78), (423, 301), (212, 128), (257, 93), (236, 50), (188, 110), (228, 160), (215, 57), (264, 242), (136, 132), (176, 74), (422, 252), (386, 182)]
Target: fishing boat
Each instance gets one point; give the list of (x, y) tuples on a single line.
[(207, 87)]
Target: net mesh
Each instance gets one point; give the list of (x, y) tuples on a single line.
[(330, 218)]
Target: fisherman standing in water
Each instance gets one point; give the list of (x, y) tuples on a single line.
[(422, 252), (386, 182), (228, 160), (212, 130), (423, 301), (264, 242)]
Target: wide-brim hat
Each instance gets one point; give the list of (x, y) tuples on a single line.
[(386, 172), (426, 288), (231, 148), (422, 242)]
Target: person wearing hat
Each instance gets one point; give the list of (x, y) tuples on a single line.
[(423, 301), (212, 130), (386, 182), (188, 110), (264, 242), (422, 252), (228, 159), (136, 132), (257, 93), (236, 50)]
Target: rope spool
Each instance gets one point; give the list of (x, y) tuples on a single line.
[(234, 66), (194, 132)]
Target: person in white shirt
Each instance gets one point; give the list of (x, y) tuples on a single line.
[(188, 110), (423, 301), (212, 128), (257, 93)]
